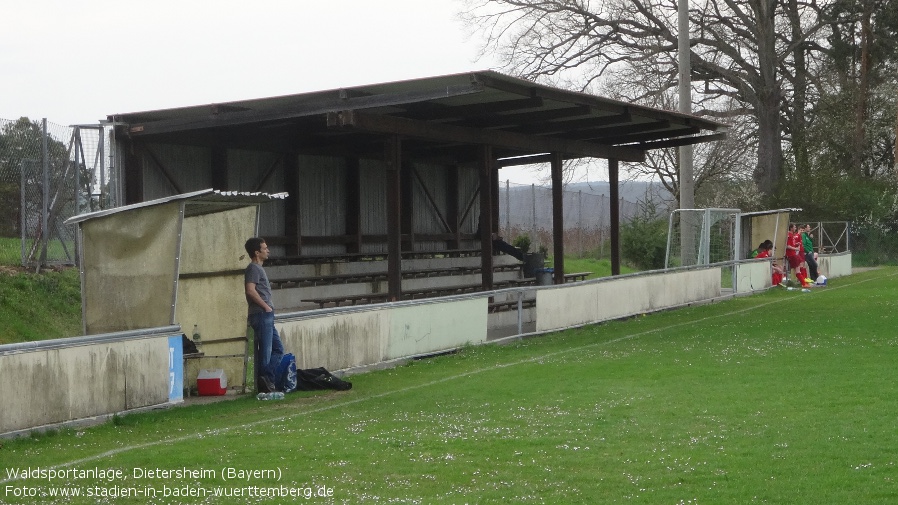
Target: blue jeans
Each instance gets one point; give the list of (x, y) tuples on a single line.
[(268, 342)]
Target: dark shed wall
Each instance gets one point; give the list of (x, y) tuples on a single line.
[(440, 202), (322, 202)]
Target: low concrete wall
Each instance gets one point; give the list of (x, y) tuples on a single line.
[(378, 333), (611, 298), (834, 265), (753, 275), (54, 381)]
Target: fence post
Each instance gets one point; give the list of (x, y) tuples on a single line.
[(507, 210), (580, 223), (45, 163), (76, 134), (101, 146), (533, 214)]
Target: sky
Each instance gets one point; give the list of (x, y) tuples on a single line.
[(78, 62)]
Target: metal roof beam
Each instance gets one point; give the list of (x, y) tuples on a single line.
[(645, 137), (574, 125), (526, 88), (351, 119), (683, 141), (608, 132), (321, 106), (511, 120), (431, 111)]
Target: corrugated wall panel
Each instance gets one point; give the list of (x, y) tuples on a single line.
[(373, 203), (188, 166), (426, 218), (322, 201), (468, 183), (245, 172)]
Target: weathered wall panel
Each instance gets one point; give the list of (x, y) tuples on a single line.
[(129, 269), (212, 247), (322, 201), (563, 307), (338, 341), (247, 171), (427, 219), (188, 167), (373, 203), (214, 242), (423, 329), (753, 276), (835, 265), (82, 381)]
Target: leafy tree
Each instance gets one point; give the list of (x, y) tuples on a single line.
[(20, 144), (643, 240), (739, 48)]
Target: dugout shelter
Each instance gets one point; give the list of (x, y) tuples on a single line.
[(176, 260)]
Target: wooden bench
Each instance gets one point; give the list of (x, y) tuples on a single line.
[(578, 276), (341, 301), (350, 257), (328, 279), (414, 294)]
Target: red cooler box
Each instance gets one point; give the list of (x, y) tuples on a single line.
[(211, 382)]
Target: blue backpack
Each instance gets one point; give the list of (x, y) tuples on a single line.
[(285, 374)]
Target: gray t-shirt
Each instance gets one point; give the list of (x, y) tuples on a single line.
[(256, 274)]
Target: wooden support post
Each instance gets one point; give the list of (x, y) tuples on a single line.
[(613, 168), (557, 218), (393, 161), (494, 187), (486, 171)]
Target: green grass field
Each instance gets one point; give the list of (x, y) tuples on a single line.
[(782, 397), (39, 306)]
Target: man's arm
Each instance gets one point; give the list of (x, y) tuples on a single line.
[(253, 295)]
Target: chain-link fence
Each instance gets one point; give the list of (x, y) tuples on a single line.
[(48, 173), (527, 210)]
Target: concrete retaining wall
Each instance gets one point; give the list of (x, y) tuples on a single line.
[(603, 300), (753, 275), (834, 265), (54, 381), (350, 339)]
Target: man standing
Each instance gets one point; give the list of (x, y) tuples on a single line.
[(808, 248), (261, 313), (794, 256)]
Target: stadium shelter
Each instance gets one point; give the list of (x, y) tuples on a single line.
[(391, 171)]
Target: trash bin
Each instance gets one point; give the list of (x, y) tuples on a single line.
[(532, 263), (544, 276)]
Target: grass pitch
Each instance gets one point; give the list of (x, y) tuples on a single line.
[(783, 397)]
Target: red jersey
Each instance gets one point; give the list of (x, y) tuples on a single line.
[(763, 254), (793, 240)]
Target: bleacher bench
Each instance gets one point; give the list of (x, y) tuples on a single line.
[(578, 276)]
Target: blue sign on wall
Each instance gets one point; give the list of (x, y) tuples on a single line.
[(175, 369)]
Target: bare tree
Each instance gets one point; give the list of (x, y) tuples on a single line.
[(736, 52)]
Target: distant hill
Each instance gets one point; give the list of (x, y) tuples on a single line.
[(585, 203), (632, 191)]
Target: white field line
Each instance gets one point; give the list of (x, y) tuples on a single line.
[(266, 421)]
